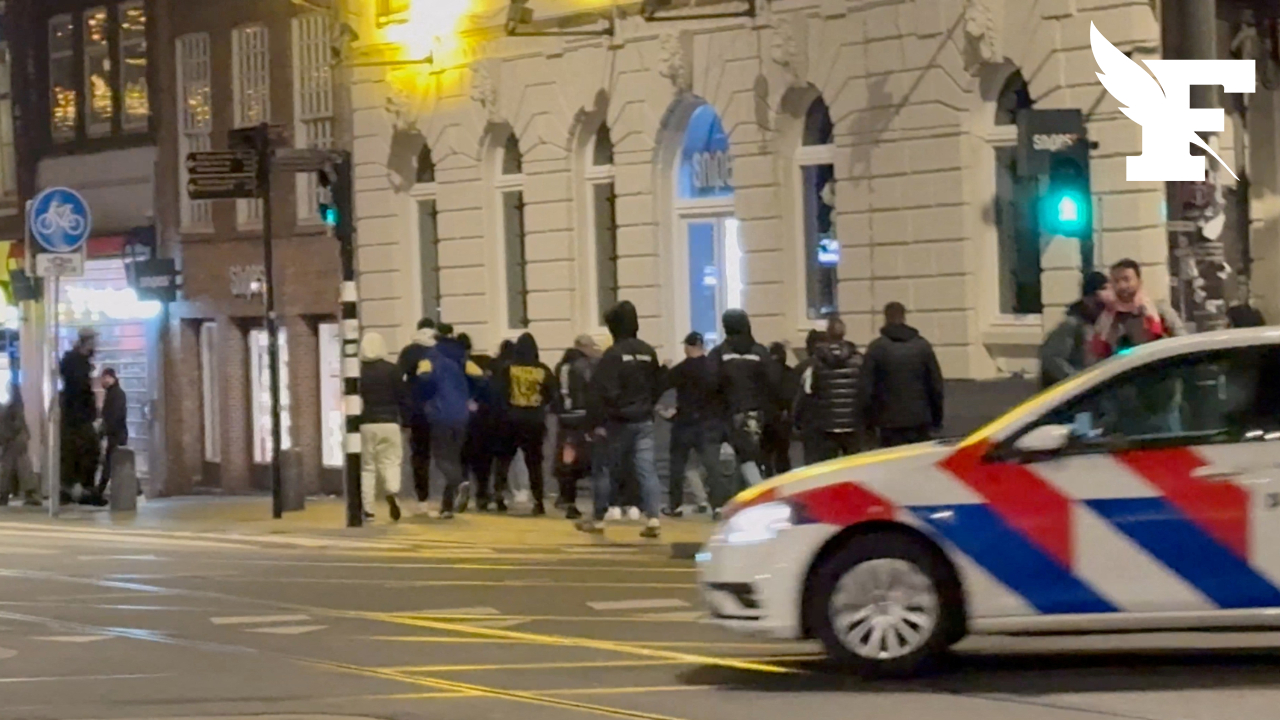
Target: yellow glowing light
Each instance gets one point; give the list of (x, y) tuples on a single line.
[(430, 27)]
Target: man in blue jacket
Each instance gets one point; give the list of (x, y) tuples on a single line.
[(447, 383)]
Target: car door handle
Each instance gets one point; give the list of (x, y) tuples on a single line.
[(1215, 473)]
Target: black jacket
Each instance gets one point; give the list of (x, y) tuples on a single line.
[(573, 376), (697, 392), (746, 374), (526, 386), (79, 407), (834, 382), (115, 415), (382, 384), (902, 385), (410, 358), (628, 380)]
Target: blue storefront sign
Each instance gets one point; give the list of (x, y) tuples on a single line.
[(706, 167), (60, 220)]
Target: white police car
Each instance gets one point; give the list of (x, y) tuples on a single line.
[(1142, 494)]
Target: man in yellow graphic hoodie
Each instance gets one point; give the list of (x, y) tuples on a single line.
[(525, 387)]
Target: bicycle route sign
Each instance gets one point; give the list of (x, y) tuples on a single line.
[(60, 220)]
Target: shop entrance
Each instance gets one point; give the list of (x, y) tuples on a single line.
[(715, 272)]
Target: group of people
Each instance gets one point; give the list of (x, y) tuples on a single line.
[(471, 414)]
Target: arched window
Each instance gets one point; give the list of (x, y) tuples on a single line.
[(428, 234), (602, 221), (510, 185), (815, 163), (1017, 226)]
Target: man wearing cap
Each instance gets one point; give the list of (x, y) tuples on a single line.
[(573, 457), (696, 426), (79, 413)]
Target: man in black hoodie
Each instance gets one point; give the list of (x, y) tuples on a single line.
[(411, 357), (777, 434), (748, 382), (697, 426), (525, 387), (573, 454), (80, 448), (902, 392), (623, 393), (115, 423), (833, 382)]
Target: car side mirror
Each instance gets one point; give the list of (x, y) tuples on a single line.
[(1044, 439)]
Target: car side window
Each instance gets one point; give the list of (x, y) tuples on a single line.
[(1193, 399)]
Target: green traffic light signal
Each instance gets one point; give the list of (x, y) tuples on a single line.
[(329, 214), (1066, 211)]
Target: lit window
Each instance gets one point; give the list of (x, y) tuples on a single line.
[(251, 92), (428, 233), (195, 118), (259, 368), (136, 102), (8, 155), (98, 75), (64, 99), (511, 189), (210, 394), (333, 421), (312, 101), (1017, 226), (603, 223), (816, 162)]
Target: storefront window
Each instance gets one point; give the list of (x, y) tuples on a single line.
[(816, 160), (706, 167), (1017, 226), (604, 222), (260, 379), (133, 66), (99, 88), (511, 195), (210, 396), (333, 422), (64, 99)]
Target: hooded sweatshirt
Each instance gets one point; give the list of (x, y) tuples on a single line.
[(746, 374), (382, 387), (902, 382), (447, 383), (628, 379), (573, 376), (525, 385), (410, 357)]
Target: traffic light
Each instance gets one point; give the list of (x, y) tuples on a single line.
[(1066, 202), (337, 201)]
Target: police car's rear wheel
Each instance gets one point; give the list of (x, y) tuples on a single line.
[(879, 605)]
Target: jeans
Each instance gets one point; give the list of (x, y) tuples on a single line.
[(446, 445), (420, 449), (632, 444), (528, 438), (573, 462), (893, 437), (838, 444), (703, 438), (381, 455), (777, 446), (745, 433)]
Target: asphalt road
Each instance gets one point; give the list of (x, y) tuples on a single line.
[(110, 623)]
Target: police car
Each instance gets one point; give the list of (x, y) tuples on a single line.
[(1142, 494)]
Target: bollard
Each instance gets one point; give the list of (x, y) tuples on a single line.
[(295, 494), (124, 481)]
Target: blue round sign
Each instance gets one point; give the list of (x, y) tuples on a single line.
[(60, 220)]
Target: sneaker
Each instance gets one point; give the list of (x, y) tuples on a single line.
[(572, 513), (446, 514), (676, 513), (424, 508), (652, 529), (633, 514), (464, 497), (717, 515), (32, 501), (703, 508), (368, 516), (591, 527), (393, 508), (500, 506), (521, 496), (614, 514), (538, 510)]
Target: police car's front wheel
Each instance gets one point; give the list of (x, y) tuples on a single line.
[(880, 605)]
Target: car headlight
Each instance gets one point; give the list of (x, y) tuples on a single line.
[(756, 524)]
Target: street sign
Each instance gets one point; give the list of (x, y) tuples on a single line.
[(302, 160), (246, 138), (59, 219), (155, 279), (222, 162), (1181, 226), (222, 187), (63, 265)]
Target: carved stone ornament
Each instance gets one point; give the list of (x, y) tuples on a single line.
[(672, 63), (485, 91), (402, 108), (980, 35), (784, 49), (247, 281)]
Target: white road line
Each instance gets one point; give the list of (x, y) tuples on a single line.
[(82, 677), (74, 638), (637, 604), (288, 629), (678, 616), (6, 653), (589, 550), (457, 611), (119, 557), (257, 619)]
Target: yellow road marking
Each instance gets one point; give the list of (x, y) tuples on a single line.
[(463, 619), (557, 692), (467, 566), (581, 642), (476, 640), (586, 664)]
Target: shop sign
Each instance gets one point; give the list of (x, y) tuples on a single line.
[(706, 165), (247, 281), (155, 279)]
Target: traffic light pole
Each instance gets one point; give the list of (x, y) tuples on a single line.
[(263, 142), (342, 191)]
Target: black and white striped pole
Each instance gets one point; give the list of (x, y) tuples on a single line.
[(341, 190)]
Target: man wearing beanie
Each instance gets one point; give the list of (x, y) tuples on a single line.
[(1064, 352)]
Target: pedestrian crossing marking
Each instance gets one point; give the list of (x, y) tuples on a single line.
[(258, 619), (288, 629), (74, 638), (637, 604), (6, 653), (679, 616)]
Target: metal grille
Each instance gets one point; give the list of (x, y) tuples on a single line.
[(312, 100), (251, 90), (195, 114)]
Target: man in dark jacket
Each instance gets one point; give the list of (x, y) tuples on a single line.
[(1065, 352), (777, 433), (697, 426), (80, 447), (115, 426), (448, 383), (416, 416), (382, 397), (902, 388), (833, 381), (622, 396), (748, 384), (802, 403), (573, 454), (526, 387)]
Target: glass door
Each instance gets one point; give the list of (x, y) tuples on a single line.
[(715, 273)]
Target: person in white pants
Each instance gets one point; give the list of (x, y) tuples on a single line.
[(383, 397)]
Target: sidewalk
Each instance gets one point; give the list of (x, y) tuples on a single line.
[(326, 517)]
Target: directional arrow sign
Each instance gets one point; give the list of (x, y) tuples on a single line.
[(220, 162), (222, 187)]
